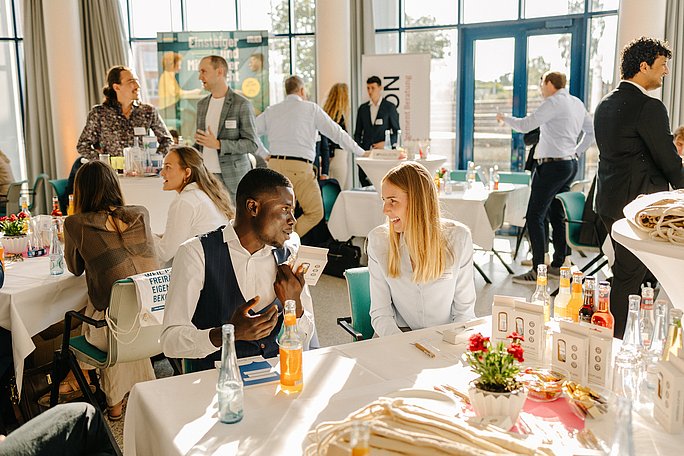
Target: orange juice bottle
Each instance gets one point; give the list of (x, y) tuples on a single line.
[(576, 301), (2, 256), (360, 436), (70, 207), (291, 378)]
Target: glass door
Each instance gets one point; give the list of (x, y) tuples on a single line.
[(501, 68)]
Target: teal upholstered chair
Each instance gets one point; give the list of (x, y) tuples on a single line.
[(513, 177), (358, 286), (60, 188), (11, 206), (38, 195), (329, 195), (573, 206)]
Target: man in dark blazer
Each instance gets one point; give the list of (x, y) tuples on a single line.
[(372, 120), (225, 125), (636, 155)]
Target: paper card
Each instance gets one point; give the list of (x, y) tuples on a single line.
[(231, 124), (569, 350), (314, 260), (255, 370), (378, 121), (502, 317), (139, 131), (529, 322), (600, 355), (668, 401)]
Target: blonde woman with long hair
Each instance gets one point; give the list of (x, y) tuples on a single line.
[(202, 204), (337, 107), (421, 265)]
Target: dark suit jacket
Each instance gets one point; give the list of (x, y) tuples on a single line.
[(366, 134), (636, 152)]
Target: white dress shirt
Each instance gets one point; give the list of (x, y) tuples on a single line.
[(255, 275), (399, 302), (292, 127), (211, 121), (192, 212), (561, 118), (374, 108), (644, 91)]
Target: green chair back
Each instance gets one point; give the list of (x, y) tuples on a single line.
[(358, 286), (13, 194), (38, 194), (59, 186), (513, 177), (573, 205), (329, 194)]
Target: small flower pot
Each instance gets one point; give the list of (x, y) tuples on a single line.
[(487, 404), (15, 245)]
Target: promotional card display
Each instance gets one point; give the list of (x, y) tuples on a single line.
[(314, 260), (569, 350), (514, 314), (668, 402), (600, 355)]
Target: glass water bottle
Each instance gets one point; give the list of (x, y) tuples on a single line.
[(229, 386), (291, 376), (541, 295), (56, 251), (646, 316)]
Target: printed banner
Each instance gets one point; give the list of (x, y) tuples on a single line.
[(406, 83), (151, 288), (179, 55)]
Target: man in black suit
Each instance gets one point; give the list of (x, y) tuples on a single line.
[(636, 155), (372, 120)]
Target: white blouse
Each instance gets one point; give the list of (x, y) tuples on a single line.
[(399, 302), (192, 212)]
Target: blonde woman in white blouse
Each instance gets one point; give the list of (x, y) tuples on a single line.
[(202, 204), (421, 266)]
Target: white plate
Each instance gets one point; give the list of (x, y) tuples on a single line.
[(432, 400)]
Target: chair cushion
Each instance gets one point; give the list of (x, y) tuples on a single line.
[(81, 345)]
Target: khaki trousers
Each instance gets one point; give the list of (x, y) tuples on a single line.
[(306, 190)]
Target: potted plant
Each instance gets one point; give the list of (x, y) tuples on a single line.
[(496, 392), (14, 228)]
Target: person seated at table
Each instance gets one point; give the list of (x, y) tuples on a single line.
[(202, 203), (421, 265), (109, 241), (679, 140), (6, 176), (120, 118), (226, 275), (76, 428)]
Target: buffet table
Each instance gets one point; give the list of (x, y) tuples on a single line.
[(147, 192), (337, 381), (356, 212), (31, 300)]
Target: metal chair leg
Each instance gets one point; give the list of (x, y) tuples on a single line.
[(598, 268), (482, 273), (518, 240), (591, 263), (508, 268)]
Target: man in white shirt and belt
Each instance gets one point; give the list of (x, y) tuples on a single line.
[(226, 275), (561, 118), (291, 127)]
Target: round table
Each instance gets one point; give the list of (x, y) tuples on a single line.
[(376, 168)]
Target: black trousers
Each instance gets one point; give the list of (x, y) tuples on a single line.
[(550, 179), (628, 275)]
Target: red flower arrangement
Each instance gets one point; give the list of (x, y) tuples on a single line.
[(497, 365), (14, 224)]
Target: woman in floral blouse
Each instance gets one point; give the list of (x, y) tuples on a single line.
[(112, 125)]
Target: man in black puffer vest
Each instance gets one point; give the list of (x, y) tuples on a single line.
[(237, 274)]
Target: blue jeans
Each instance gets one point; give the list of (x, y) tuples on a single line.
[(550, 179)]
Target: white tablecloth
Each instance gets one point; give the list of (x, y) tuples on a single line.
[(32, 299), (665, 260), (337, 381), (376, 168), (357, 212), (147, 192)]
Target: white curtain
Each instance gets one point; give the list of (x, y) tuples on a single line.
[(104, 44), (40, 144), (673, 93)]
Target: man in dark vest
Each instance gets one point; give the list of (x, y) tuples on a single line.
[(238, 274)]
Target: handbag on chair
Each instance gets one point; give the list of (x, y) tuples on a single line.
[(342, 256)]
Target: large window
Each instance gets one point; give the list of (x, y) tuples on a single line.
[(291, 26), (435, 27), (11, 82)]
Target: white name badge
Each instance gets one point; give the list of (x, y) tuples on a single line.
[(231, 124), (378, 121), (139, 131)]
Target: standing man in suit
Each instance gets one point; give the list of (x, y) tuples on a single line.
[(226, 131), (372, 120), (636, 155)]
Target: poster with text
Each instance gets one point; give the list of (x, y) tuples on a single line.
[(406, 83), (179, 55)]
